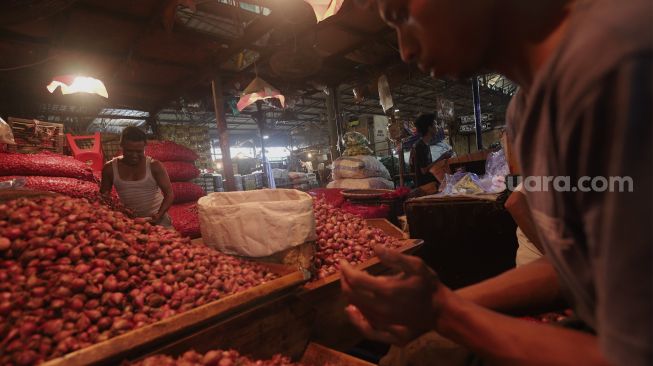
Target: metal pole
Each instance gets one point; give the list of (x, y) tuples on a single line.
[(400, 151), (477, 113), (334, 129), (260, 119), (221, 121)]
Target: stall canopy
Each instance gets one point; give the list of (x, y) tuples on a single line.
[(157, 58)]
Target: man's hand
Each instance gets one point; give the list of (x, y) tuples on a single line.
[(156, 218), (393, 309)]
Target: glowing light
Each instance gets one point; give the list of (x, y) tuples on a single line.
[(71, 84), (325, 8), (310, 155), (265, 137)]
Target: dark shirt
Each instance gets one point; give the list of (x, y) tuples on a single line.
[(589, 113), (420, 157)]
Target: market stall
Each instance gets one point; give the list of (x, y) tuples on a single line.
[(229, 99)]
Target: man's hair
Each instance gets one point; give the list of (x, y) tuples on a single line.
[(133, 134), (423, 122)]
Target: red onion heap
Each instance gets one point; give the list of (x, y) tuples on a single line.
[(74, 273), (343, 236), (214, 358)]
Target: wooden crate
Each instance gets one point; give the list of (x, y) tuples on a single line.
[(282, 325), (467, 239), (33, 136), (317, 355), (332, 327), (169, 331), (387, 228)]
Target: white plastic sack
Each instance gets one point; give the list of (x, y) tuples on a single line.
[(6, 136), (366, 183), (358, 167), (256, 223)]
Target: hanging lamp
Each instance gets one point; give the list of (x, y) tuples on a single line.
[(71, 84)]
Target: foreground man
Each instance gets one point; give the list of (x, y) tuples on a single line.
[(584, 109), (141, 182)]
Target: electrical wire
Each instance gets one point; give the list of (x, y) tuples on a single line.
[(27, 65)]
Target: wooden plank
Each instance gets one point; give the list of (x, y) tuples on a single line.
[(371, 265), (332, 327), (221, 122), (128, 345), (387, 228), (279, 326), (318, 355)]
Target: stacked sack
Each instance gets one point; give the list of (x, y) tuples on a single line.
[(179, 161), (360, 172), (299, 180), (57, 173), (356, 144), (185, 219)]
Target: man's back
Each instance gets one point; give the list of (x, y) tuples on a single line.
[(588, 114)]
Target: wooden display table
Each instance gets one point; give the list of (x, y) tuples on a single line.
[(332, 327), (467, 239), (184, 326)]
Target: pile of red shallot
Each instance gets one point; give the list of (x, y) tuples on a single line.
[(74, 273), (213, 358), (344, 236)]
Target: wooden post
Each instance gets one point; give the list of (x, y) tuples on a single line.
[(334, 127), (400, 152), (221, 121)]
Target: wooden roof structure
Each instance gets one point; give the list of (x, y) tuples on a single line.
[(157, 58)]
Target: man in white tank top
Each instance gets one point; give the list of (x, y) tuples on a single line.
[(142, 183)]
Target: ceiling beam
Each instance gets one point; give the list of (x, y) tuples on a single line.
[(86, 49)]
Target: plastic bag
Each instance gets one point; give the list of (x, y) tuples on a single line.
[(496, 164), (468, 184), (360, 166), (6, 135), (494, 180), (355, 138), (358, 150)]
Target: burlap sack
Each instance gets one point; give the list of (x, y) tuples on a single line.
[(256, 223)]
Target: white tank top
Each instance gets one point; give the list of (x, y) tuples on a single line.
[(143, 196)]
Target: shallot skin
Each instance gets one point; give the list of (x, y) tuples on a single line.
[(213, 358), (74, 273), (344, 236)]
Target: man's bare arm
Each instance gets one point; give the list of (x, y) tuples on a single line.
[(161, 176), (529, 289), (396, 309), (107, 181), (505, 340)]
